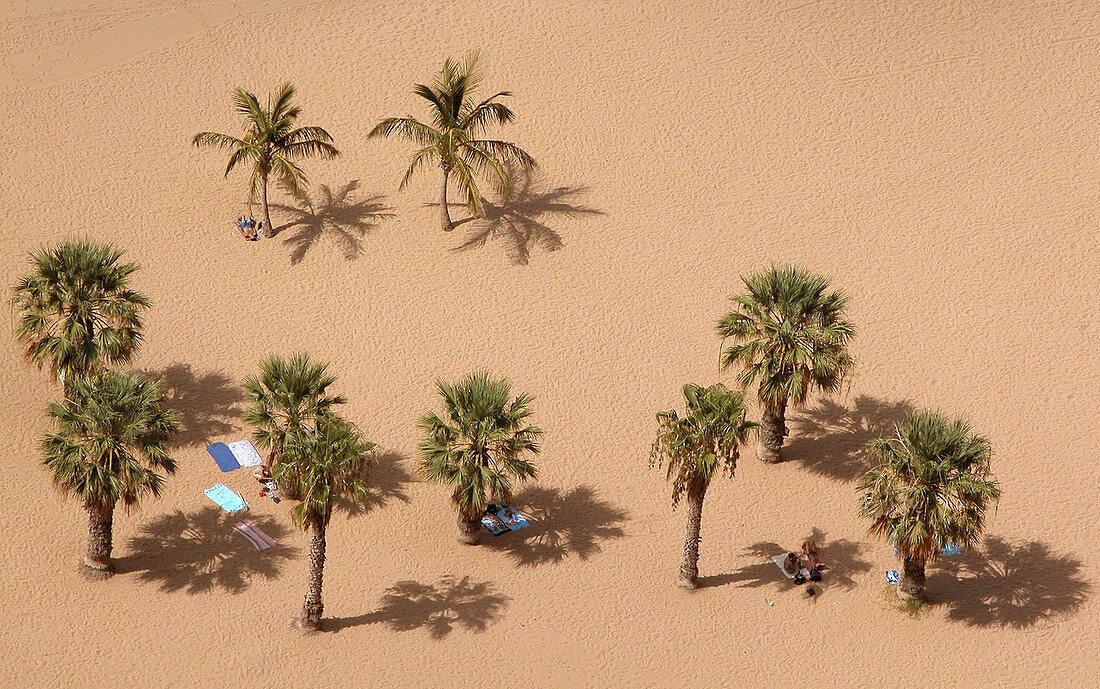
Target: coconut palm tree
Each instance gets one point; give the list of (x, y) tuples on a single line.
[(287, 396), (696, 447), (451, 139), (110, 446), (78, 314), (272, 143), (478, 446), (328, 463), (790, 336), (931, 488)]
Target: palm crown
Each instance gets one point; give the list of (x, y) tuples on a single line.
[(327, 463), (703, 442), (288, 395), (452, 139), (478, 446), (790, 335), (272, 143), (932, 487), (78, 311), (112, 440)]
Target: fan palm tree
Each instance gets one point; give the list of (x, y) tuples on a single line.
[(696, 447), (78, 313), (288, 395), (451, 139), (110, 446), (272, 143), (478, 446), (931, 488), (791, 336), (328, 463)]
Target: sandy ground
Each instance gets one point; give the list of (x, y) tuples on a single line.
[(939, 161)]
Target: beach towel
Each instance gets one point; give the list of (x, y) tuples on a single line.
[(493, 523), (951, 549), (892, 576), (511, 518), (234, 455), (226, 498), (255, 535)]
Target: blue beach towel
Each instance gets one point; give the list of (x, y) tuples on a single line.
[(223, 456), (511, 518), (226, 498), (951, 549), (892, 576), (493, 524)]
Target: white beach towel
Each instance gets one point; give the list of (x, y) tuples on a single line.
[(245, 453)]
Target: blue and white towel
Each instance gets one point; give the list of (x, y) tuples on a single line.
[(226, 498), (892, 576), (234, 455)]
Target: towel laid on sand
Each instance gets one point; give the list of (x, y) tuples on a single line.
[(780, 559), (892, 576), (234, 455), (227, 499), (255, 535)]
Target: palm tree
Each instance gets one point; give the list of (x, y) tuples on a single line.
[(288, 395), (696, 447), (477, 448), (271, 143), (78, 313), (111, 446), (932, 488), (451, 138), (328, 463), (790, 336)]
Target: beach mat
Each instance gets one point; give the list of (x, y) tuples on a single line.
[(892, 576), (254, 534), (493, 523), (234, 455), (226, 498), (511, 518)]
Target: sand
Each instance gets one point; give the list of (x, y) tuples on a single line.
[(938, 161)]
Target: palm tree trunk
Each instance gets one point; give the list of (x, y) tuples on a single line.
[(97, 557), (469, 529), (689, 561), (444, 210), (911, 583), (269, 229), (772, 425), (313, 608)]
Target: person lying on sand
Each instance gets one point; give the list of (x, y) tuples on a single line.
[(247, 228)]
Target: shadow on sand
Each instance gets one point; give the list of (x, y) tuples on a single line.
[(842, 556), (200, 552), (830, 439), (562, 524), (387, 480), (522, 221), (1007, 584), (337, 215), (208, 404), (438, 607)]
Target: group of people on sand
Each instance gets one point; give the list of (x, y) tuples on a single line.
[(805, 566), (268, 487), (249, 228)]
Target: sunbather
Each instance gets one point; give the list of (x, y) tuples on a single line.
[(247, 228), (268, 487), (811, 560)]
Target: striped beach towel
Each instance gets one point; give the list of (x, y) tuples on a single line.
[(255, 536)]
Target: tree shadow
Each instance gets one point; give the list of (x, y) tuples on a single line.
[(521, 221), (841, 555), (387, 479), (337, 215), (200, 552), (830, 438), (562, 524), (1008, 585), (438, 607), (207, 403)]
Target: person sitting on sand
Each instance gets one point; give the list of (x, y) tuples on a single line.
[(247, 228), (812, 561), (268, 487)]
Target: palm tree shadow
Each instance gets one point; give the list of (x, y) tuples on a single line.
[(337, 215), (438, 607), (521, 221), (200, 552), (387, 480), (207, 403), (1008, 585), (830, 438), (561, 524), (841, 555)]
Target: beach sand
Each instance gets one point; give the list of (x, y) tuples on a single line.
[(939, 163)]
